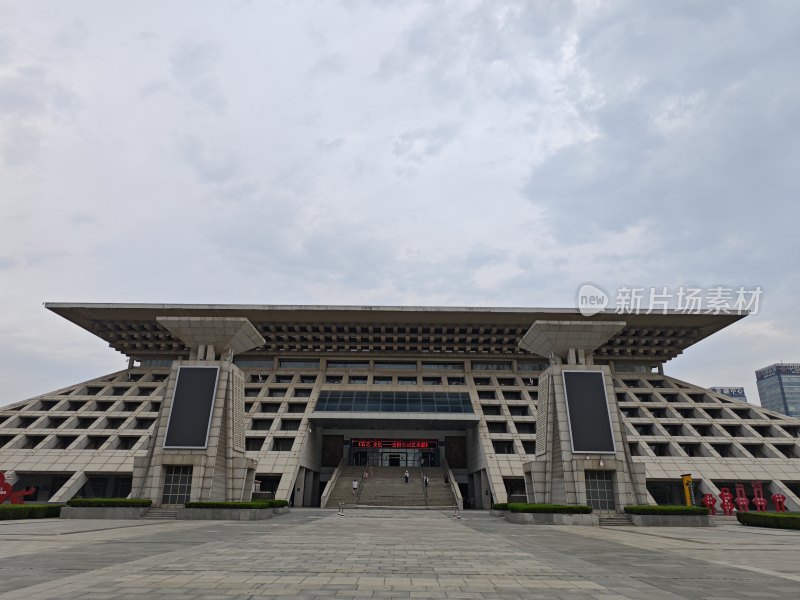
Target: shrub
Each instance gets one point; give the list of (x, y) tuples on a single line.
[(775, 520), (564, 509), (500, 506), (677, 509), (247, 505), (29, 511), (109, 502)]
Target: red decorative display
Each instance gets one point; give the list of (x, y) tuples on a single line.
[(12, 497), (395, 444), (726, 500), (758, 496), (779, 500), (710, 503), (742, 501)]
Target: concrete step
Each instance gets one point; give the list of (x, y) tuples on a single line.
[(615, 520), (161, 513)]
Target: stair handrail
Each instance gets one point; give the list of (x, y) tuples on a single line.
[(364, 475), (326, 493), (453, 485)]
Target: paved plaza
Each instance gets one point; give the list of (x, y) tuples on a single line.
[(391, 554)]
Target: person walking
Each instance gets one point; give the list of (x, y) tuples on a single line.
[(426, 481), (405, 476), (355, 487)]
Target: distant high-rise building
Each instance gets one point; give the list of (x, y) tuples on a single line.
[(737, 393), (779, 388)]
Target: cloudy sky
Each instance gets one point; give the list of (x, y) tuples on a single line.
[(393, 152)]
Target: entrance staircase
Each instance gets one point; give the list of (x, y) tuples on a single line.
[(614, 520), (343, 491), (385, 486), (161, 513)]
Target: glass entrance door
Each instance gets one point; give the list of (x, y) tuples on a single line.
[(600, 490)]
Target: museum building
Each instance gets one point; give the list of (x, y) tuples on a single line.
[(491, 404)]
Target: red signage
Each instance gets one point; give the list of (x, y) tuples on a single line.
[(395, 444)]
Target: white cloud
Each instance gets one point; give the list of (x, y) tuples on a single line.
[(396, 153)]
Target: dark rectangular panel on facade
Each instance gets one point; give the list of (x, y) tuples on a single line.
[(412, 401), (587, 410), (192, 403)]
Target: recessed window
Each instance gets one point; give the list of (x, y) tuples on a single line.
[(308, 379), (297, 407), (251, 392), (276, 392), (503, 446), (486, 394), (64, 441), (518, 411), (290, 424), (261, 424), (253, 444), (358, 379), (512, 395), (382, 380), (406, 380), (403, 366), (348, 364), (491, 366), (270, 407), (333, 379), (431, 381), (529, 447), (490, 410), (83, 422), (284, 378), (127, 442), (526, 428), (456, 381), (112, 422), (93, 442), (482, 381), (289, 363), (497, 427), (143, 423), (282, 444), (32, 441)]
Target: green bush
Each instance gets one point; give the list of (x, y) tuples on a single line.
[(775, 520), (247, 505), (29, 511), (664, 509), (500, 506), (562, 509), (109, 502)]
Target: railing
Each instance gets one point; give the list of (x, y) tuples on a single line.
[(364, 475), (326, 493), (453, 485)]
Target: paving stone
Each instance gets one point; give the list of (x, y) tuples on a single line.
[(393, 554)]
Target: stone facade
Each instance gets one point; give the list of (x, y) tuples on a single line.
[(106, 436)]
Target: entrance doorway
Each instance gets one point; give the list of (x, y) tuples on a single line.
[(600, 490)]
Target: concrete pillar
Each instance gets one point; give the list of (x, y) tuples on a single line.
[(777, 487), (299, 486), (69, 489)]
